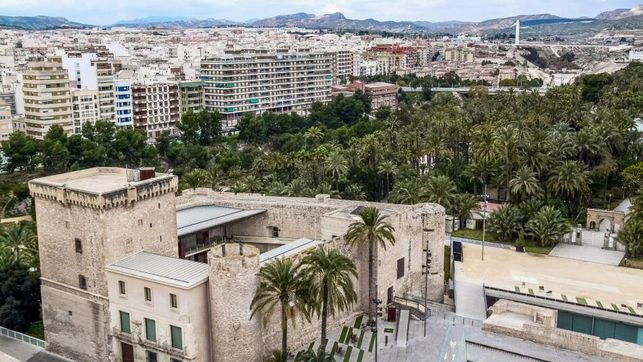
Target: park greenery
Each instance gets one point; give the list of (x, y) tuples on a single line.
[(546, 157)]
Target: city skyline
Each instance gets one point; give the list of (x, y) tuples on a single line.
[(101, 13)]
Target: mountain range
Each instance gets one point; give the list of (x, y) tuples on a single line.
[(337, 21)]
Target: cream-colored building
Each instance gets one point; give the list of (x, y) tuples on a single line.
[(6, 121), (129, 273), (85, 108), (47, 98), (160, 305), (459, 54)]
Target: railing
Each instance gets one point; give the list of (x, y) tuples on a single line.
[(423, 311), (22, 337)]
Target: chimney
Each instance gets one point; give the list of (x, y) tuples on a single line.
[(147, 173)]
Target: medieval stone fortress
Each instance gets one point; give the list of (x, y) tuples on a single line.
[(122, 277)]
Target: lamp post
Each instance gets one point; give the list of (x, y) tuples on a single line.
[(484, 218), (378, 313)]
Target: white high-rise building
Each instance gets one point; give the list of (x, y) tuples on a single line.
[(262, 81), (517, 42), (123, 103)]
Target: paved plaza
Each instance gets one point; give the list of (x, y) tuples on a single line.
[(588, 253)]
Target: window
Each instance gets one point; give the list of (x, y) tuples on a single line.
[(150, 330), (79, 245), (177, 338), (125, 326), (175, 360), (150, 356), (174, 302), (82, 282), (275, 232), (121, 287), (148, 294), (400, 268)]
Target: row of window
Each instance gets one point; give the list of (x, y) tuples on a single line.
[(147, 292), (176, 334)]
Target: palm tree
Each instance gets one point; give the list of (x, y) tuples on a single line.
[(439, 189), (505, 146), (371, 230), (569, 180), (354, 192), (504, 222), (389, 169), (195, 178), (337, 166), (314, 135), (630, 235), (462, 205), (253, 184), (524, 183), (331, 273), (284, 284), (405, 191), (548, 225), (20, 245)]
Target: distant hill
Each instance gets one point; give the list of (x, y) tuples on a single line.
[(178, 22), (336, 21), (38, 23), (621, 13)]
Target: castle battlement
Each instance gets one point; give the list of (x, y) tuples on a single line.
[(103, 187)]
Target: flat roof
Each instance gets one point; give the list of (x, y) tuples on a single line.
[(508, 269), (163, 269), (196, 218), (294, 247), (97, 180)]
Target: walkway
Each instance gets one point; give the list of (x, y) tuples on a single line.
[(588, 253)]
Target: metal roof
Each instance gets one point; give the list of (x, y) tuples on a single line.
[(163, 269), (199, 218), (291, 248)]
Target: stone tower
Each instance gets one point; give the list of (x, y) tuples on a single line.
[(233, 282), (86, 220)]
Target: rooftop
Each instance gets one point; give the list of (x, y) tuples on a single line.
[(98, 180), (291, 248), (196, 218), (162, 269), (508, 269)]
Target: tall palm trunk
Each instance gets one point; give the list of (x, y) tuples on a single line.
[(370, 281), (284, 328), (324, 316)]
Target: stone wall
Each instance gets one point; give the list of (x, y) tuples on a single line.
[(233, 282)]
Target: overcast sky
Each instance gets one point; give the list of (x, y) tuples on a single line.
[(101, 12)]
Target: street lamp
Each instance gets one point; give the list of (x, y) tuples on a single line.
[(377, 302)]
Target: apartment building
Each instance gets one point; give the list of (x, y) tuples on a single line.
[(123, 103), (459, 54), (6, 121), (381, 94), (372, 67), (47, 98), (156, 107), (90, 71), (85, 108), (262, 81), (344, 66), (192, 96)]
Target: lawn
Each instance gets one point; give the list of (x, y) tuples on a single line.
[(476, 234), (634, 263), (534, 247)]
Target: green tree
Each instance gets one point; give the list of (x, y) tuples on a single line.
[(373, 231), (632, 236), (462, 205), (439, 189), (284, 284), (388, 169), (20, 151), (548, 225), (337, 166), (331, 273), (195, 178), (633, 177), (505, 222), (524, 183), (20, 245), (19, 297)]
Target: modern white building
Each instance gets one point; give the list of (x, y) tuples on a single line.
[(266, 81)]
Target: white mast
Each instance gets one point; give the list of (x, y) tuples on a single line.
[(517, 42)]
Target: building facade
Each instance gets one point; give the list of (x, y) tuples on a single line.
[(459, 54), (257, 82), (123, 103), (156, 107), (6, 121), (47, 98), (192, 96), (85, 108)]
